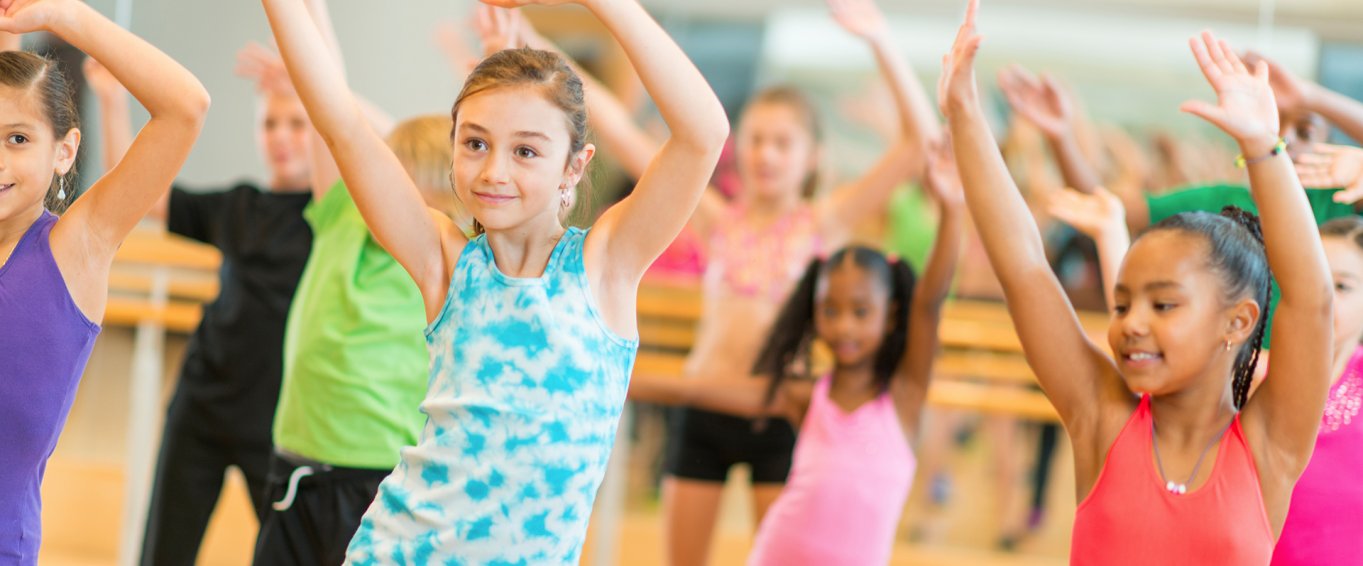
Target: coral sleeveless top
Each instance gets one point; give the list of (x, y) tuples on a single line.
[(848, 484), (1130, 518), (1325, 523)]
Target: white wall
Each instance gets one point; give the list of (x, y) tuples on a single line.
[(388, 46)]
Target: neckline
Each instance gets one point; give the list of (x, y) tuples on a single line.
[(844, 413), (549, 265), (1217, 463), (28, 232)]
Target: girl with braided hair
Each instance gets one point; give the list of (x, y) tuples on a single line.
[(1174, 463)]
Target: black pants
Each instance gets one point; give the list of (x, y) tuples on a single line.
[(189, 477), (322, 516)]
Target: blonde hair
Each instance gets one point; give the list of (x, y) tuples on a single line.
[(422, 145)]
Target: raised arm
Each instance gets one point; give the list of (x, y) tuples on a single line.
[(1296, 95), (1044, 103), (115, 120), (1076, 375), (944, 184), (641, 226), (426, 243), (1100, 216), (613, 123), (907, 156), (1287, 407), (98, 221)]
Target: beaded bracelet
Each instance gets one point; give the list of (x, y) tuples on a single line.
[(1278, 148)]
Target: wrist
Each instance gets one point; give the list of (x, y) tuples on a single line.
[(63, 22), (1259, 148)]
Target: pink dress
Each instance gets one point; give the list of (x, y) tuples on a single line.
[(846, 491), (1325, 522)]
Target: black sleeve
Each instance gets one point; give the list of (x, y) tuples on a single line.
[(197, 215)]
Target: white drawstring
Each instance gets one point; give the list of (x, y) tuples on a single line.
[(289, 495)]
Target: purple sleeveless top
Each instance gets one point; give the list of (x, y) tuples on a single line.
[(44, 343)]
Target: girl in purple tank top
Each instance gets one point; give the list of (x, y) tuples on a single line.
[(853, 462), (54, 272)]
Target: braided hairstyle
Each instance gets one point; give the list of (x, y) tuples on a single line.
[(793, 334), (1235, 242)]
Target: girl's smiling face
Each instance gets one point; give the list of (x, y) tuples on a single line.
[(30, 154), (851, 313), (511, 157), (1171, 318)]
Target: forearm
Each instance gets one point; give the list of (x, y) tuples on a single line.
[(1343, 112), (1298, 263), (1077, 172), (692, 111), (165, 88), (918, 119), (1112, 245), (115, 127)]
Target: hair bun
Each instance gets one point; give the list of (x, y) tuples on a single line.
[(1246, 219)]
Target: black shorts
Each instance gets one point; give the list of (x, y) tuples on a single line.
[(703, 445), (322, 516)]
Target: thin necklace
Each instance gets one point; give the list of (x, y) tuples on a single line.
[(1175, 487)]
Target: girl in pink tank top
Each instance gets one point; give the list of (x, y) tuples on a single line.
[(1174, 462), (1325, 521), (853, 462)]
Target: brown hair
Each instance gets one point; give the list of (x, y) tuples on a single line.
[(531, 67), (42, 77), (793, 98), (1347, 227)]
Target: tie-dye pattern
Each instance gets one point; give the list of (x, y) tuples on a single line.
[(527, 385)]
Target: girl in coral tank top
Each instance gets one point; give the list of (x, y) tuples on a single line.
[(1173, 465)]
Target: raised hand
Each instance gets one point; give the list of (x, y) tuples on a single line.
[(23, 16), (1042, 101), (1292, 92), (263, 66), (1330, 166), (450, 41), (519, 3), (101, 81), (943, 179), (498, 28), (1095, 215), (956, 88), (861, 18), (1245, 107)]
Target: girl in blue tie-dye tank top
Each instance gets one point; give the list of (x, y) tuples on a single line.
[(532, 324)]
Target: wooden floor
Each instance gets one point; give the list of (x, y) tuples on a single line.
[(83, 494)]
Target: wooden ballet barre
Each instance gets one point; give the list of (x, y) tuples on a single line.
[(153, 247), (176, 316)]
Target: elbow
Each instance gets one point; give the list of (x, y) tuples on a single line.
[(194, 105)]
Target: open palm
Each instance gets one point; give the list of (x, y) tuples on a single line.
[(1040, 100), (1245, 106), (861, 18), (1333, 166), (957, 87), (1092, 214)]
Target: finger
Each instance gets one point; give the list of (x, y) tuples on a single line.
[(972, 9), (1205, 111), (1350, 195), (1214, 49), (1204, 61), (1231, 56)]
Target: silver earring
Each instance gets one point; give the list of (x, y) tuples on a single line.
[(563, 198), (1227, 345), (61, 188)]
